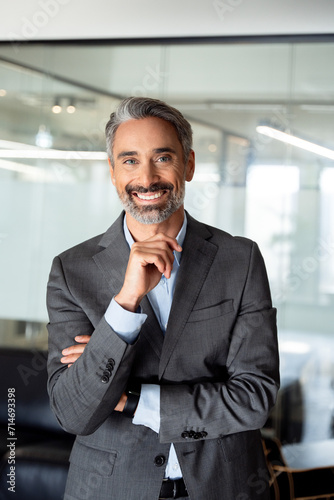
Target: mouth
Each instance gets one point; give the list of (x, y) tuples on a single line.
[(149, 196), (153, 195)]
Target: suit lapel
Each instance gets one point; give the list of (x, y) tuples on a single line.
[(113, 261), (197, 257)]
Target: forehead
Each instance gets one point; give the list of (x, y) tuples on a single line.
[(146, 133)]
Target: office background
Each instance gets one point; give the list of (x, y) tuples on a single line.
[(231, 67)]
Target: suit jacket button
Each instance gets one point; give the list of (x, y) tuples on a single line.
[(185, 435), (204, 434), (110, 366), (107, 372), (159, 460), (191, 434), (198, 435), (104, 379), (111, 361)]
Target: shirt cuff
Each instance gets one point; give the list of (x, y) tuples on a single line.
[(125, 323), (148, 409)]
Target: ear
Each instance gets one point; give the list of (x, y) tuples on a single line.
[(112, 174), (190, 167)]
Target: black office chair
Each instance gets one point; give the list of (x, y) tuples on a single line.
[(41, 448)]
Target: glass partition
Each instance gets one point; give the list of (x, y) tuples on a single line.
[(55, 189)]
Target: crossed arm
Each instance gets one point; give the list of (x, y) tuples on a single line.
[(147, 262), (242, 402)]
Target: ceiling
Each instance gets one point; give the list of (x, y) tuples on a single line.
[(112, 19), (228, 87)]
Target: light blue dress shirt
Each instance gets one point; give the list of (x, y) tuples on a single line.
[(128, 324)]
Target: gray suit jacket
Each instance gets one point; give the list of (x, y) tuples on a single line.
[(217, 367)]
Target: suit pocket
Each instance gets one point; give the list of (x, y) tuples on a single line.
[(92, 460), (238, 444), (211, 312)]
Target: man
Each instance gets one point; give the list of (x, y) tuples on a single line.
[(175, 366)]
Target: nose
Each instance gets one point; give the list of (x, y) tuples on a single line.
[(148, 174)]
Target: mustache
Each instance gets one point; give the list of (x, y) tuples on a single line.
[(157, 186)]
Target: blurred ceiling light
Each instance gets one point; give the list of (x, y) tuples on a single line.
[(18, 167), (38, 174), (212, 148), (16, 145), (43, 137), (247, 106), (71, 109), (35, 173), (295, 141), (53, 154), (18, 150), (240, 141), (56, 108), (317, 108), (3, 92)]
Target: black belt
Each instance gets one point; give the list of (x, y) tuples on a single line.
[(173, 488)]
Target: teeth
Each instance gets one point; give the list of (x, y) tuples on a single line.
[(150, 196)]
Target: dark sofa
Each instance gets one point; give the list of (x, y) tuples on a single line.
[(34, 449)]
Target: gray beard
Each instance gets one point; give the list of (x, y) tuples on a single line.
[(150, 214)]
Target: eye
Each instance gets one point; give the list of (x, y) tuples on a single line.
[(130, 162), (163, 159)]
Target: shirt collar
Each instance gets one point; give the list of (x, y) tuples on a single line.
[(179, 238)]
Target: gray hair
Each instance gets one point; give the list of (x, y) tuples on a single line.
[(136, 108)]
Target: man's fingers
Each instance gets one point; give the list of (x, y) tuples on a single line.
[(121, 403), (162, 260), (149, 259), (74, 349), (70, 359), (82, 338), (72, 353), (158, 253), (161, 237)]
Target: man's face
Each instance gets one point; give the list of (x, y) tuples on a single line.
[(149, 172)]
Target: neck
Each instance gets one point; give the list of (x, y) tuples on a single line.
[(171, 226)]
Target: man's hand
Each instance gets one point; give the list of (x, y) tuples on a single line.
[(148, 260), (72, 353), (121, 403)]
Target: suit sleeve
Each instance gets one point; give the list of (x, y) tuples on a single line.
[(85, 394), (241, 401)]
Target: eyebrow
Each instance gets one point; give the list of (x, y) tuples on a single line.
[(127, 153), (156, 150), (164, 150)]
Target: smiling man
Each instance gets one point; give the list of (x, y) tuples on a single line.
[(162, 170), (162, 336)]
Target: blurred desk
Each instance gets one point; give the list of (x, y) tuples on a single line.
[(309, 455)]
